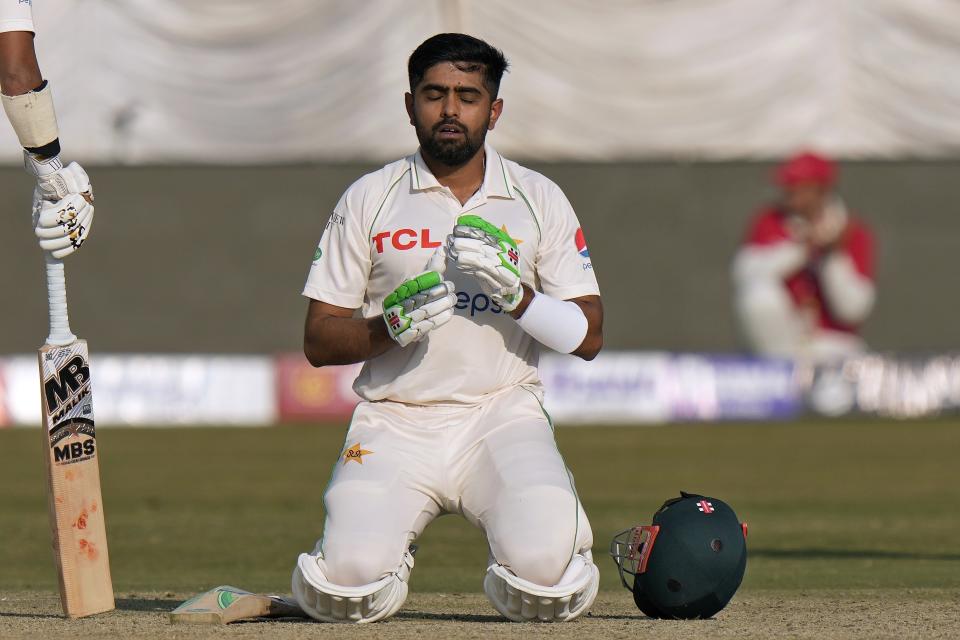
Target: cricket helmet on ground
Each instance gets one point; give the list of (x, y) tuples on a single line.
[(688, 563)]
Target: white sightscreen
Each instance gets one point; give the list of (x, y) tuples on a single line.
[(243, 81)]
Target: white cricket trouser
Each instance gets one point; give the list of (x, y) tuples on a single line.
[(496, 463)]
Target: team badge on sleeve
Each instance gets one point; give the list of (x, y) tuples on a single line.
[(581, 243)]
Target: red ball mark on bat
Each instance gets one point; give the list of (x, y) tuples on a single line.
[(69, 475), (81, 522), (93, 507), (88, 549)]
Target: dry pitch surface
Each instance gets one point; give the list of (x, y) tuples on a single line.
[(927, 614)]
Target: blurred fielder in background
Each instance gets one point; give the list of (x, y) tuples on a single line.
[(63, 197), (451, 419), (804, 276)]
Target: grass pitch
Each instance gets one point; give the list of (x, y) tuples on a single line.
[(848, 521)]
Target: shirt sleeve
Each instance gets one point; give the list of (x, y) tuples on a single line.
[(767, 228), (341, 263), (564, 267), (859, 247), (16, 16)]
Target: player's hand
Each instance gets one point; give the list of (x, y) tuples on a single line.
[(420, 304), (62, 226), (798, 229), (491, 256), (827, 230)]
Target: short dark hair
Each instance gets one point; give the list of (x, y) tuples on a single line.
[(473, 53)]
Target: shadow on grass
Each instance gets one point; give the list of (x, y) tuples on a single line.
[(488, 618), (275, 621), (38, 616), (852, 554), (146, 604), (451, 617), (619, 616)]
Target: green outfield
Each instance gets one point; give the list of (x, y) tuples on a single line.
[(831, 506)]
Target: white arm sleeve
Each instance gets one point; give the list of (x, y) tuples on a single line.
[(849, 294), (558, 324), (767, 262)]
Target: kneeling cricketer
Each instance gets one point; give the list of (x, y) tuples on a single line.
[(446, 273)]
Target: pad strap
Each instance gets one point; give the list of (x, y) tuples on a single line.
[(558, 324), (34, 119)]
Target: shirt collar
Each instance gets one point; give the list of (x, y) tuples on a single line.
[(497, 181)]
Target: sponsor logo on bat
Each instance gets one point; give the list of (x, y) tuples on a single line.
[(77, 450), (67, 387)]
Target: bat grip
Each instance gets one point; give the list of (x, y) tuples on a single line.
[(60, 333)]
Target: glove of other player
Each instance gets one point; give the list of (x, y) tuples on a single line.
[(62, 203), (491, 256), (420, 304), (55, 181), (62, 226)]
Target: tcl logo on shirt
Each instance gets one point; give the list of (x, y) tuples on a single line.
[(404, 239)]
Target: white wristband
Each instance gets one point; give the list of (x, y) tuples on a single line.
[(32, 117), (558, 324)]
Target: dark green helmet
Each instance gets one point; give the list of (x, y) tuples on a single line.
[(688, 563)]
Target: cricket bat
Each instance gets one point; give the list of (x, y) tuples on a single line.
[(73, 471), (225, 604)]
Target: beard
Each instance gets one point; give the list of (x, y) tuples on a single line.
[(452, 153)]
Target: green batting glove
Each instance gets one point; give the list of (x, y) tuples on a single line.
[(418, 306), (491, 256)]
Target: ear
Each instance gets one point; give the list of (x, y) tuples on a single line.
[(496, 108), (408, 100)]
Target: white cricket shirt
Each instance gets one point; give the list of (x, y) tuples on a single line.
[(16, 15), (384, 230)]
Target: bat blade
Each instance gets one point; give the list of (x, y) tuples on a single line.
[(73, 487), (226, 604)]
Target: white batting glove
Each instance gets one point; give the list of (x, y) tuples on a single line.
[(62, 226), (421, 304), (55, 181), (491, 256)]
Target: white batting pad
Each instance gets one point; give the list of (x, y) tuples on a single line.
[(521, 600), (327, 602)]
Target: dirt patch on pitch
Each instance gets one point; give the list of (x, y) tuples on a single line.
[(927, 614)]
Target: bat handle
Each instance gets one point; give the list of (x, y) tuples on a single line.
[(60, 333)]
